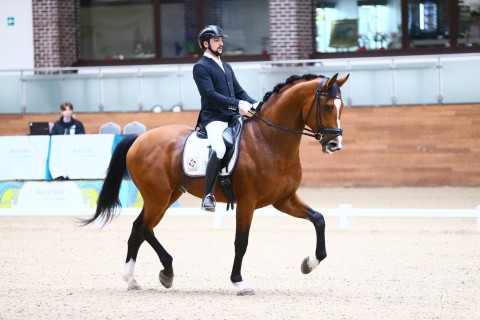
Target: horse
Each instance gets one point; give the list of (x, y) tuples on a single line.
[(268, 171)]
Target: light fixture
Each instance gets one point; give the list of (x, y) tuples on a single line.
[(177, 107), (156, 108)]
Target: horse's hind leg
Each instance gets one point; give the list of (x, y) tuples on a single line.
[(153, 216), (166, 275), (294, 206), (143, 230), (134, 242)]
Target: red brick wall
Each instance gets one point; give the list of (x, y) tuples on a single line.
[(291, 29), (54, 33)]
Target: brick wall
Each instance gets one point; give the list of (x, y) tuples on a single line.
[(291, 29), (54, 33)]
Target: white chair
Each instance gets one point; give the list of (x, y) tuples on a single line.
[(110, 128), (134, 127)]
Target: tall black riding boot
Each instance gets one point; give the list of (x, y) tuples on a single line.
[(211, 173)]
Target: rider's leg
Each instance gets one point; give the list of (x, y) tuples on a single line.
[(214, 131)]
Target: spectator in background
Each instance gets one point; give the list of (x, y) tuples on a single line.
[(67, 124), (474, 24)]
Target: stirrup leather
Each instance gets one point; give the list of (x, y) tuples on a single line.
[(208, 203)]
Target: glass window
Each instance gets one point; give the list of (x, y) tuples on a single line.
[(469, 23), (358, 26), (173, 30), (428, 24), (156, 29), (244, 21), (116, 30)]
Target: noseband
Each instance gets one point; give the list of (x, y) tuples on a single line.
[(318, 134)]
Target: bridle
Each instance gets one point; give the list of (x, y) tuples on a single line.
[(320, 131)]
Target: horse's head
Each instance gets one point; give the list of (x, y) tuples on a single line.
[(324, 112)]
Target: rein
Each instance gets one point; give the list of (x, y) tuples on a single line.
[(320, 131)]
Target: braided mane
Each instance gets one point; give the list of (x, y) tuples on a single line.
[(290, 80)]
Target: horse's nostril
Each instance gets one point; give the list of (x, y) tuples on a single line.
[(335, 145)]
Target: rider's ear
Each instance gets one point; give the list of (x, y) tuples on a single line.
[(341, 81)]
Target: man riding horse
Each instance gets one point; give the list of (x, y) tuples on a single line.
[(221, 98)]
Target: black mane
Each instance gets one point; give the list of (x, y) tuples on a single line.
[(290, 80)]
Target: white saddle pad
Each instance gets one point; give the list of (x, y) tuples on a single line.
[(195, 157)]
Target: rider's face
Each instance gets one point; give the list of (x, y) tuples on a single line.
[(216, 45)]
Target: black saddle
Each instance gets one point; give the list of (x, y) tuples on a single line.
[(230, 136)]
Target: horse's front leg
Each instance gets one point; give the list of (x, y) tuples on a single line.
[(243, 223), (294, 206)]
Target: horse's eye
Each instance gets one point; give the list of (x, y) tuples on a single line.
[(328, 108)]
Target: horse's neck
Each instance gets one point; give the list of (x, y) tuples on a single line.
[(284, 112)]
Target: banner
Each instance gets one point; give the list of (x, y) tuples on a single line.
[(80, 156), (23, 157), (61, 194)]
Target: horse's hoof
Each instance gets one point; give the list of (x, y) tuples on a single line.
[(165, 280), (133, 285), (243, 289), (308, 264), (246, 292)]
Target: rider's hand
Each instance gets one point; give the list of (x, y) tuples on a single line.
[(244, 105), (254, 106)]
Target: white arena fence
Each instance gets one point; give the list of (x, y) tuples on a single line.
[(345, 213)]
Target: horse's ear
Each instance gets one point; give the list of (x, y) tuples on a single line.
[(331, 81), (341, 81)]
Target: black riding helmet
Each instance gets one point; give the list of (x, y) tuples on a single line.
[(209, 32)]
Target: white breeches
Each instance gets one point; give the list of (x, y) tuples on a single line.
[(215, 137)]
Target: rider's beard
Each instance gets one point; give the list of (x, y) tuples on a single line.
[(216, 52)]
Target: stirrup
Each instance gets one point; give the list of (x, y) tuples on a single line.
[(208, 203)]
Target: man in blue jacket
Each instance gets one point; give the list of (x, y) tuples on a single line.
[(67, 124), (221, 98)]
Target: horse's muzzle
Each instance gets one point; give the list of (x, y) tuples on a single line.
[(332, 145)]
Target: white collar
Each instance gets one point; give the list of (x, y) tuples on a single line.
[(211, 56)]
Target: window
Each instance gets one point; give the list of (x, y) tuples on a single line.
[(428, 24), (155, 30), (116, 30), (366, 25), (469, 23)]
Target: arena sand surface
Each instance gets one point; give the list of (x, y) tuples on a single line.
[(384, 268)]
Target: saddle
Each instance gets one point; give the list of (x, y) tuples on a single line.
[(197, 150), (230, 136)]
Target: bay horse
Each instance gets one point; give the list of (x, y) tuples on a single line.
[(268, 170)]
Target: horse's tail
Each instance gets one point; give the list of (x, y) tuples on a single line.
[(117, 169)]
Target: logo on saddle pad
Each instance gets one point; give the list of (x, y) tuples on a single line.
[(196, 152)]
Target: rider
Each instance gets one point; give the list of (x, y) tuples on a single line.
[(221, 98)]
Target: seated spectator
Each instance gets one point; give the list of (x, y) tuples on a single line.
[(67, 124)]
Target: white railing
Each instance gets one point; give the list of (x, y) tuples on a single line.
[(386, 81), (345, 213)]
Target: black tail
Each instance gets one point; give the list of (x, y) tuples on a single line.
[(117, 169)]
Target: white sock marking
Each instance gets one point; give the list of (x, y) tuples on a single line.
[(128, 275), (312, 262)]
